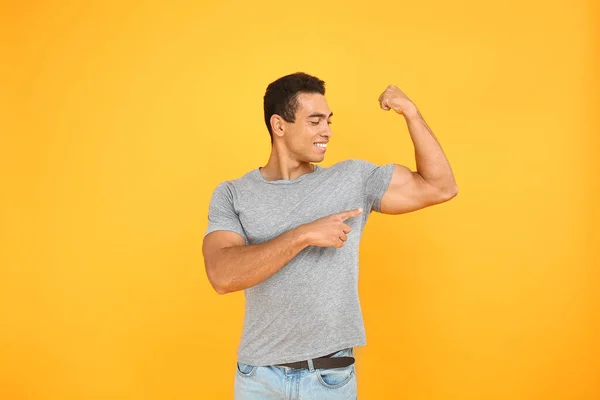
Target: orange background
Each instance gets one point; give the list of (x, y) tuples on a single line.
[(117, 122)]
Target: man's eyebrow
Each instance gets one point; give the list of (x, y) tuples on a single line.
[(320, 115)]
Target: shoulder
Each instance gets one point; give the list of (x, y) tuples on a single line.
[(233, 185), (350, 164), (234, 190), (355, 165), (223, 192)]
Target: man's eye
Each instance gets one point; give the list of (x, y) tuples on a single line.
[(314, 122)]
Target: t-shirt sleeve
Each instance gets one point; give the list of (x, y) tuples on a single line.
[(221, 211), (375, 179)]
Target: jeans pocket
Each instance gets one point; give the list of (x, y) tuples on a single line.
[(333, 378), (336, 377), (245, 370)]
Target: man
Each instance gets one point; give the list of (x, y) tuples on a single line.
[(288, 234)]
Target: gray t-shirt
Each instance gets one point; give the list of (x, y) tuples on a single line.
[(310, 307)]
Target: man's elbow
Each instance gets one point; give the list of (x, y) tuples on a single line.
[(219, 287), (453, 192), (448, 194), (220, 290), (217, 282)]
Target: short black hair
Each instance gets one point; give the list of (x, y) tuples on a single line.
[(281, 97)]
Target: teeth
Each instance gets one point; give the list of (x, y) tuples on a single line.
[(323, 145)]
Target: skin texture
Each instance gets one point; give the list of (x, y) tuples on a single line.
[(433, 182), (231, 265)]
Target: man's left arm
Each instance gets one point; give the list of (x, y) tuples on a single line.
[(433, 182)]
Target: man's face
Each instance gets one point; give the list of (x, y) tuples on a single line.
[(313, 117)]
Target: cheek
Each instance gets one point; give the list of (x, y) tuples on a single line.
[(311, 132), (309, 137), (305, 135), (299, 139)]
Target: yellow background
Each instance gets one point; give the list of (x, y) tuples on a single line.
[(117, 122)]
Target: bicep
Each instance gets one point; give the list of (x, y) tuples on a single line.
[(408, 191)]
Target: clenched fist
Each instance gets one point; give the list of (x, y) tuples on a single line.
[(394, 99), (330, 230)]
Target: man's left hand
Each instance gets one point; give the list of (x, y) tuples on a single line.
[(395, 99)]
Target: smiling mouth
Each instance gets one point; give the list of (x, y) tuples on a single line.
[(322, 146)]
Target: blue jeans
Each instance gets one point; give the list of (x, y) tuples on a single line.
[(285, 383)]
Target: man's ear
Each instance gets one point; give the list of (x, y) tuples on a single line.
[(277, 125)]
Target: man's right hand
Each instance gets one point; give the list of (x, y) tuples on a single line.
[(330, 230)]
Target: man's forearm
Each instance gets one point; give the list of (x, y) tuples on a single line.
[(244, 266), (431, 161)]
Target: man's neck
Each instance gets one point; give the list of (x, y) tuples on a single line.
[(275, 171)]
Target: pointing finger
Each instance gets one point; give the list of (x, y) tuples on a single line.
[(349, 214)]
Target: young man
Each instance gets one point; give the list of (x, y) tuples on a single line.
[(288, 235)]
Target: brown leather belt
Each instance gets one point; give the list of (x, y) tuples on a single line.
[(324, 362)]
